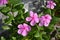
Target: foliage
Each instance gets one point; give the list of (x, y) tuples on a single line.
[(37, 32)]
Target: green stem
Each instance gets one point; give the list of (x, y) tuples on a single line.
[(37, 28), (11, 9), (50, 11)]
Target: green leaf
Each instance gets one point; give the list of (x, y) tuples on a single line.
[(19, 6), (46, 37), (55, 20), (2, 38), (37, 34), (14, 38), (5, 10), (47, 11), (40, 28), (14, 1), (43, 33), (21, 13), (58, 29), (5, 27), (9, 20), (40, 36), (51, 27), (14, 10)]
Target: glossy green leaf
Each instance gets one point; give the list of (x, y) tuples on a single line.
[(5, 10), (9, 20)]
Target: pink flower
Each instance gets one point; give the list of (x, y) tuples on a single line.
[(33, 19), (45, 20), (23, 29), (50, 4), (2, 2)]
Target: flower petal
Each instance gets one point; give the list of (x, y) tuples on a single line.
[(48, 16), (48, 6), (36, 18), (31, 14), (28, 19), (52, 7), (40, 24), (48, 2), (1, 2), (54, 4), (24, 33), (46, 24), (19, 31), (20, 26), (42, 18), (32, 23), (27, 27), (5, 1)]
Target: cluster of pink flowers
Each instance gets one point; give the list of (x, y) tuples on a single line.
[(50, 4), (33, 19), (23, 29), (2, 2)]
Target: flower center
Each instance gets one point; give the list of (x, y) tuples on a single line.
[(32, 18), (45, 17)]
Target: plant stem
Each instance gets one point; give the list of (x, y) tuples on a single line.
[(50, 11)]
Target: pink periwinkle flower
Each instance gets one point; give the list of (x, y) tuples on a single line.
[(23, 29), (45, 20), (50, 4), (2, 2), (33, 19)]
